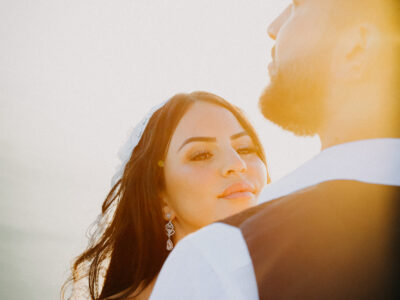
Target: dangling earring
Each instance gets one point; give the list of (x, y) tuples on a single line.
[(170, 231)]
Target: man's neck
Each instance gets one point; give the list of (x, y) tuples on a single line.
[(346, 138), (361, 115)]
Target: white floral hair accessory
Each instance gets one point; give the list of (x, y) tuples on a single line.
[(134, 137)]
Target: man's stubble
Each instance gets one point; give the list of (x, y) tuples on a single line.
[(295, 97)]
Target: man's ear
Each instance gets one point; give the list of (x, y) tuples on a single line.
[(353, 52)]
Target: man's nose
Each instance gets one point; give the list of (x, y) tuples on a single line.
[(234, 164), (275, 26)]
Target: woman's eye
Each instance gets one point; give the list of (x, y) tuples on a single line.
[(201, 156), (246, 150)]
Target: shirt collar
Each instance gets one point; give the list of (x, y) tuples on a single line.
[(375, 161)]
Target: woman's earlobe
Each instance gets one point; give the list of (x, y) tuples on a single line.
[(168, 214)]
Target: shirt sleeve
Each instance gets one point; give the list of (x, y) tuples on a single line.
[(212, 263)]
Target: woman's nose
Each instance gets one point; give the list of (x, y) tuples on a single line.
[(234, 165)]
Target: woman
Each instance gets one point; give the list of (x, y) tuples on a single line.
[(194, 161)]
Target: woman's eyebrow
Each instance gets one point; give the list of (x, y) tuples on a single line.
[(238, 135), (210, 139), (198, 139)]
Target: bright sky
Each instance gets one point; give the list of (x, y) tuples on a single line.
[(76, 75)]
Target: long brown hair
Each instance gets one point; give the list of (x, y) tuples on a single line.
[(133, 242)]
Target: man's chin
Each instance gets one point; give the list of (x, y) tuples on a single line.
[(282, 108)]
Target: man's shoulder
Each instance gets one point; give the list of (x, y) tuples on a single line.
[(328, 194), (333, 240), (210, 261)]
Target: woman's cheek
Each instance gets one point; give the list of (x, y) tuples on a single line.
[(257, 172), (196, 182), (199, 173), (196, 196)]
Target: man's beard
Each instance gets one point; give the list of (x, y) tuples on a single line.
[(294, 99)]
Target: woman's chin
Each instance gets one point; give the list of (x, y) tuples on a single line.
[(237, 205)]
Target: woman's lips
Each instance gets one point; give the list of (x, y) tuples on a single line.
[(239, 195), (238, 190)]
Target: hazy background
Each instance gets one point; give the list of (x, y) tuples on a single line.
[(75, 76)]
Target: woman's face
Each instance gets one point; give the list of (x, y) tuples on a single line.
[(212, 170)]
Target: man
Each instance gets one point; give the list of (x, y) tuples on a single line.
[(330, 229)]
